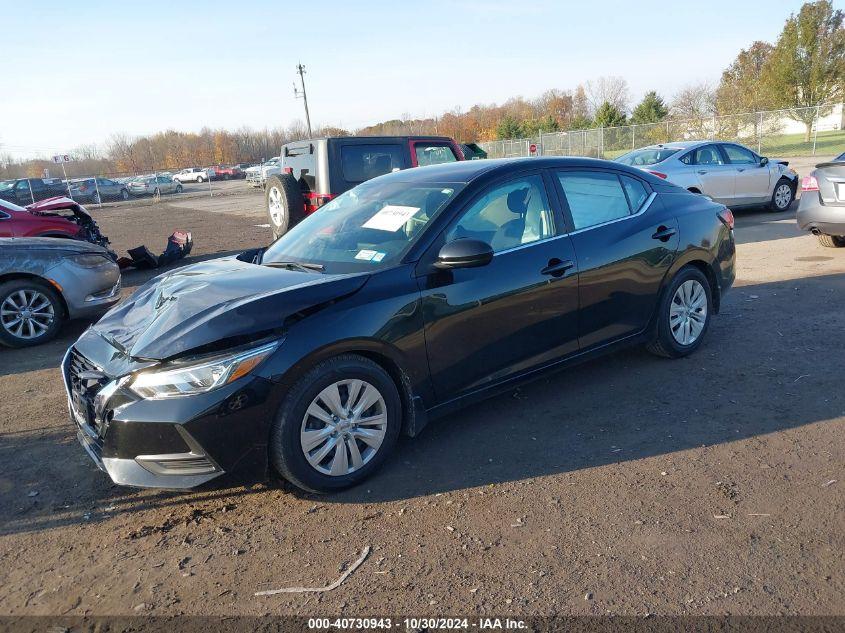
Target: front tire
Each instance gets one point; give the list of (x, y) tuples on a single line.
[(124, 194), (200, 180), (179, 188), (337, 425), (31, 313), (782, 196), (683, 315), (832, 241), (284, 203)]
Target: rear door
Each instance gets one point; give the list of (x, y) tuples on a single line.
[(484, 325), (625, 241), (752, 182), (716, 177)]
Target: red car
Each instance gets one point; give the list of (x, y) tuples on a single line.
[(53, 217)]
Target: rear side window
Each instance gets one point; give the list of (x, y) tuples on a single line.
[(302, 162), (433, 154), (647, 156), (363, 162), (636, 192), (707, 155), (594, 197)]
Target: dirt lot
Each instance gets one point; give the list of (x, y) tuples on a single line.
[(629, 485)]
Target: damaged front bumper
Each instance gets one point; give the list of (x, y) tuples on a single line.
[(174, 444)]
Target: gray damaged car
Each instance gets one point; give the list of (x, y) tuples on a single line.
[(728, 173), (45, 281), (821, 209)]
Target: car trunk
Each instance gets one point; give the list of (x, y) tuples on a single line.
[(831, 179)]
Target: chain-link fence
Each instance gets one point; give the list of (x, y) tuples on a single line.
[(792, 132)]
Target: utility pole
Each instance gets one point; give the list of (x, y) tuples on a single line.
[(297, 94)]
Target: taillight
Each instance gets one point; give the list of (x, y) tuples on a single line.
[(809, 183), (287, 170), (658, 174), (727, 217)]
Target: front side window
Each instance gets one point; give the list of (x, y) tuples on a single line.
[(508, 215), (430, 154), (594, 197), (366, 228), (739, 155), (364, 162)]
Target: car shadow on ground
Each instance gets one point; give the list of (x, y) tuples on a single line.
[(746, 380), (761, 224)]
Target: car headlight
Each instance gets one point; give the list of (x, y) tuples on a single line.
[(198, 376), (88, 260)]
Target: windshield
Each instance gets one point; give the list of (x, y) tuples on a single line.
[(6, 184), (369, 227), (647, 156)]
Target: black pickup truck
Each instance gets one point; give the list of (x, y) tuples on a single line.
[(24, 191)]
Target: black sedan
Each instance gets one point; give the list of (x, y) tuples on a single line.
[(401, 300)]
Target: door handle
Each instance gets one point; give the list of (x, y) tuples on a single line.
[(557, 268), (663, 233), (702, 171)]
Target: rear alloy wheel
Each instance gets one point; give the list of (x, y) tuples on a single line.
[(30, 313), (200, 180), (683, 314), (782, 196), (337, 425), (832, 241), (179, 188)]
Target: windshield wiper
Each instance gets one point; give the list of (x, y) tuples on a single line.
[(304, 266)]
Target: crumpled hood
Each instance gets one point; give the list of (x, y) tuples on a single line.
[(200, 304)]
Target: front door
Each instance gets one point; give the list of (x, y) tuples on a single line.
[(752, 179), (486, 324), (625, 241)]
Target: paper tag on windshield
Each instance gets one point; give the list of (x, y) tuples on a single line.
[(390, 218), (366, 255)]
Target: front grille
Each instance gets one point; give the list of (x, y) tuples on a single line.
[(85, 380)]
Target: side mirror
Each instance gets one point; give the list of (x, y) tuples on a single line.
[(763, 161), (464, 253)]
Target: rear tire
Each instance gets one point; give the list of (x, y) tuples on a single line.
[(200, 180), (683, 308), (124, 194), (782, 196), (45, 318), (306, 469), (832, 241), (284, 203), (179, 188)]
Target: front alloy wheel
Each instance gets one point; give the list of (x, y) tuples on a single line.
[(343, 427), (782, 196), (337, 424), (30, 313)]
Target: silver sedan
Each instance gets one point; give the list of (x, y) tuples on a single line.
[(728, 173), (45, 281)]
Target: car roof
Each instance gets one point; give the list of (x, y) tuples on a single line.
[(372, 139), (468, 170)]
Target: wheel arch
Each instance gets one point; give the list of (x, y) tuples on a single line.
[(703, 262), (14, 276), (694, 190), (384, 355)]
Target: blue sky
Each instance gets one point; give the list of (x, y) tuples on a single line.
[(79, 71)]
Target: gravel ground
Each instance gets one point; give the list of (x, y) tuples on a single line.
[(628, 485)]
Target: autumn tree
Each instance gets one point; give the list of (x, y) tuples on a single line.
[(739, 89), (806, 68)]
